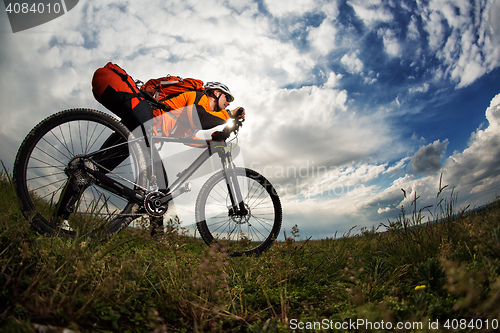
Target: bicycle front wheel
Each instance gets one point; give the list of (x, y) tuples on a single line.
[(250, 234), (55, 192)]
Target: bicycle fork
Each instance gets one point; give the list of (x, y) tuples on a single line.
[(238, 206)]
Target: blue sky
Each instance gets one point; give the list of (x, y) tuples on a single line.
[(348, 101)]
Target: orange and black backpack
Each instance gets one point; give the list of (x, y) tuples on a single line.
[(170, 86), (118, 92)]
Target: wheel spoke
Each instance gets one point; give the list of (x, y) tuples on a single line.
[(50, 171), (251, 233)]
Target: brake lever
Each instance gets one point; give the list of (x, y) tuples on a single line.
[(237, 124)]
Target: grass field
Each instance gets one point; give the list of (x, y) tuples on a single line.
[(434, 277)]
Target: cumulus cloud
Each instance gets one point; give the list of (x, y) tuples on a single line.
[(428, 158), (372, 12), (333, 80), (476, 170), (352, 63), (391, 42), (323, 37), (472, 174)]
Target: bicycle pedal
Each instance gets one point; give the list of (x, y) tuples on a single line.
[(62, 223)]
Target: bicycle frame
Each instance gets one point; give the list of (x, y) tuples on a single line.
[(176, 189)]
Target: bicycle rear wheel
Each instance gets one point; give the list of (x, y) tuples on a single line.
[(250, 234), (50, 165)]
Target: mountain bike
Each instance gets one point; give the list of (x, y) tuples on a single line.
[(66, 184)]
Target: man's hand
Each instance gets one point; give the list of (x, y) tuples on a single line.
[(219, 136), (238, 113)]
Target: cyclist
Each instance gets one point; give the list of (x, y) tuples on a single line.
[(190, 112), (194, 110)]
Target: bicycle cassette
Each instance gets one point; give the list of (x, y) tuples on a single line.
[(76, 170)]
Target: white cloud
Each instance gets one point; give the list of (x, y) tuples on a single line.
[(323, 37), (493, 115), (211, 44), (283, 7), (413, 33), (338, 181), (493, 19), (333, 194), (313, 125), (352, 63), (420, 89), (398, 167), (372, 12), (391, 42), (461, 40), (476, 171), (333, 80), (473, 174), (384, 210)]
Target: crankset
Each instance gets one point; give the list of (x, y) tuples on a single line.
[(155, 204)]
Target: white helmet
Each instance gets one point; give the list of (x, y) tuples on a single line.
[(222, 87)]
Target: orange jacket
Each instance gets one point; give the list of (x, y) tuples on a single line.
[(190, 112)]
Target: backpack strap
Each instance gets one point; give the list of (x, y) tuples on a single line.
[(199, 95), (189, 123), (172, 96), (153, 102)]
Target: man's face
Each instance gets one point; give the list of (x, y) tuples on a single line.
[(223, 103)]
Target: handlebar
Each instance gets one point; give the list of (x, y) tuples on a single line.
[(228, 129)]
